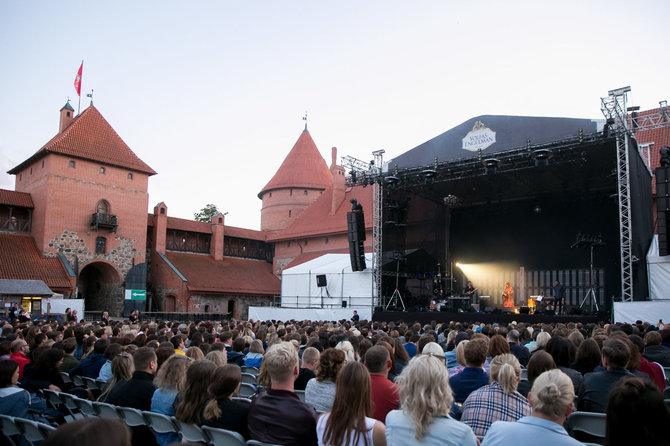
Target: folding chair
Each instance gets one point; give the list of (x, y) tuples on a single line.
[(239, 399), (77, 380), (524, 375), (70, 405), (160, 423), (249, 379), (85, 407), (223, 437), (90, 383), (259, 443), (132, 417), (590, 423), (247, 390), (33, 431), (52, 397), (666, 393), (250, 370), (190, 432), (301, 394), (10, 429), (105, 410), (66, 377)]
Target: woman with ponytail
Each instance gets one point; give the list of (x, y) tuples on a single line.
[(499, 401), (551, 398), (221, 411)]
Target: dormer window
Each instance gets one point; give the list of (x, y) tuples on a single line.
[(305, 192), (130, 176), (162, 211), (72, 164), (102, 170)]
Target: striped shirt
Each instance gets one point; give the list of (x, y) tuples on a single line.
[(489, 404)]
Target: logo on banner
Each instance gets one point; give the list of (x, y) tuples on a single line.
[(479, 138)]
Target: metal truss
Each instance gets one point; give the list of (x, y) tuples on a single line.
[(613, 108)]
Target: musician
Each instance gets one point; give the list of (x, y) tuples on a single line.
[(559, 296), (508, 296), (470, 291)]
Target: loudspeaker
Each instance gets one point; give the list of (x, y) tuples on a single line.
[(321, 280), (524, 310), (344, 304), (356, 235), (489, 309), (663, 208)]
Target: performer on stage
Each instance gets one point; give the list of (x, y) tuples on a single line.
[(470, 291), (508, 296), (559, 296)]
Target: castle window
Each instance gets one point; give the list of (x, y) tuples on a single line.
[(326, 240), (288, 244), (289, 213), (162, 211), (72, 163), (130, 176), (220, 220), (290, 192), (305, 192), (306, 242), (270, 194), (102, 207), (20, 176), (102, 170), (42, 164), (31, 170), (100, 245)]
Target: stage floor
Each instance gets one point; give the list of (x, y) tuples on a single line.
[(426, 317)]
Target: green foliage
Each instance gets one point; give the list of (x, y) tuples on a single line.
[(206, 213)]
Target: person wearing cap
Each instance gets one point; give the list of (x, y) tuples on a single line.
[(518, 350)]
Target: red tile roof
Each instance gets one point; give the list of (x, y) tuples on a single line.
[(20, 259), (12, 198), (90, 137), (306, 257), (231, 275), (317, 220), (303, 167)]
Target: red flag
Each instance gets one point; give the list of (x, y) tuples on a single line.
[(77, 80)]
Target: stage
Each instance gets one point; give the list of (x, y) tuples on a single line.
[(426, 317)]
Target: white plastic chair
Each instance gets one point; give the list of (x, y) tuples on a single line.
[(223, 437)]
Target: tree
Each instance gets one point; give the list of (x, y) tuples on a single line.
[(206, 213)]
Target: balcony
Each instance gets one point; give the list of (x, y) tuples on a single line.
[(104, 221)]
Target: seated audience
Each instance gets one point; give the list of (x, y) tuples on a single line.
[(562, 351), (551, 398), (597, 385), (190, 402), (652, 369), (221, 411), (90, 367), (320, 391), (297, 423), (122, 371), (588, 356), (636, 414), (90, 431), (69, 361), (20, 350), (15, 401), (170, 380), (310, 358), (518, 350), (384, 393), (426, 398), (105, 373), (538, 364), (654, 350), (473, 375), (255, 355), (218, 357), (460, 358), (348, 420), (499, 401)]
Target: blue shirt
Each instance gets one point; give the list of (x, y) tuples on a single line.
[(442, 431), (528, 431), (163, 402), (466, 382), (410, 349), (450, 356)]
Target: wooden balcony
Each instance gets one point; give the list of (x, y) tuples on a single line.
[(104, 221)]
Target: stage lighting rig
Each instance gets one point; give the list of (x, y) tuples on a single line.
[(542, 157), (491, 165)]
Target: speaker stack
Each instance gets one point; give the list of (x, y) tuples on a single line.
[(663, 208), (356, 233)]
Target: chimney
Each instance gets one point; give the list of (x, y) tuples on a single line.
[(216, 242), (338, 183), (66, 116), (160, 228)]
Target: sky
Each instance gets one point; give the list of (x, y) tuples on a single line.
[(211, 94)]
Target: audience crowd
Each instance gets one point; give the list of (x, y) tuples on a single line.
[(346, 382)]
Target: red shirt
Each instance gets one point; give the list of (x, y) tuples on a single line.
[(384, 395), (654, 371), (22, 360)]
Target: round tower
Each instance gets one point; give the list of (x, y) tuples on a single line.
[(301, 178)]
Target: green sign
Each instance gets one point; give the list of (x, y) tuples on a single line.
[(136, 295)]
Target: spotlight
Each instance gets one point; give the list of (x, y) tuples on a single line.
[(541, 157), (491, 165), (429, 176), (537, 209), (665, 156)]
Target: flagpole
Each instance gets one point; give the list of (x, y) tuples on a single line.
[(82, 78)]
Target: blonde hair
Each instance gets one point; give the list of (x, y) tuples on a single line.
[(542, 339), (424, 392), (460, 352), (217, 357), (348, 349), (434, 349), (280, 360), (506, 370), (256, 347), (172, 374), (195, 353), (552, 394)]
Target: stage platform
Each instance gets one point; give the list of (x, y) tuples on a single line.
[(426, 317)]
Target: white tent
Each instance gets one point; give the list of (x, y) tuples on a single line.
[(658, 269), (299, 287)]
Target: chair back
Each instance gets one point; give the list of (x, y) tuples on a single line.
[(85, 407), (666, 393), (90, 383), (242, 400), (590, 423), (223, 437), (159, 422), (247, 390), (251, 370), (131, 416), (105, 410), (301, 394), (259, 443), (70, 406), (9, 426), (32, 430), (249, 378), (190, 432)]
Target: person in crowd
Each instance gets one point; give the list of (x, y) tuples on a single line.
[(426, 398), (20, 350), (498, 346), (460, 358), (88, 431), (412, 345), (653, 369), (551, 399), (195, 353), (178, 344), (636, 414), (450, 355), (499, 400), (355, 318), (217, 357), (541, 341), (221, 411), (90, 367), (597, 385), (563, 353), (46, 375), (69, 361), (122, 370), (588, 356), (190, 402), (434, 349), (310, 358), (320, 391), (255, 355), (15, 401), (473, 375), (348, 349), (297, 423), (236, 355), (401, 356), (654, 351), (518, 350), (348, 421), (170, 380), (538, 364), (384, 393), (111, 351)]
